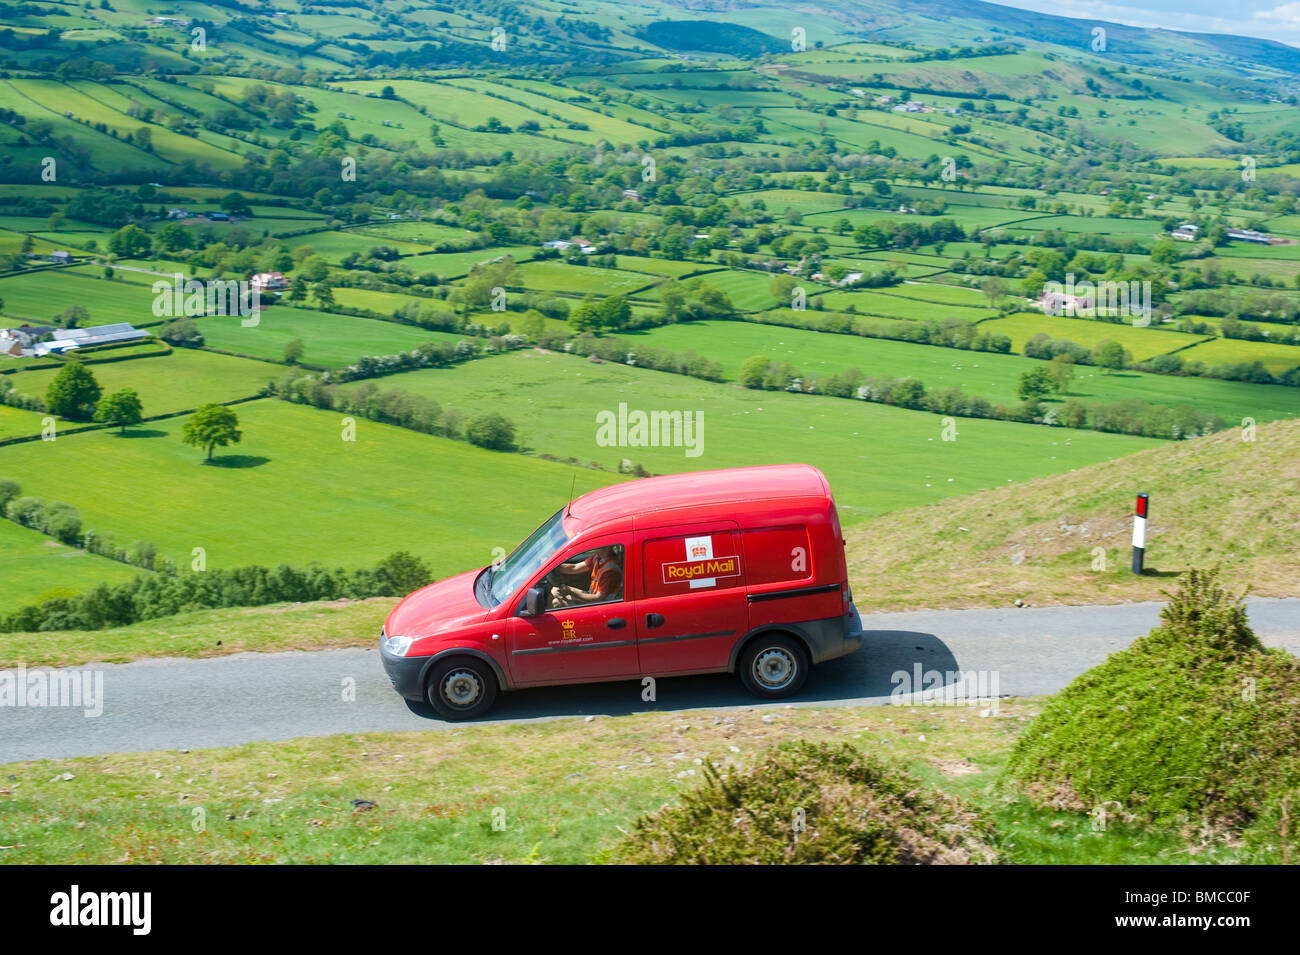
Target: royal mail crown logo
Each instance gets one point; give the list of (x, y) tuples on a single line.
[(567, 624), (699, 550)]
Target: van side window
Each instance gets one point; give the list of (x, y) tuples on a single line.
[(778, 554), (692, 564), (592, 577)]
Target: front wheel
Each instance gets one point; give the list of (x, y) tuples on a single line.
[(774, 666), (461, 688)]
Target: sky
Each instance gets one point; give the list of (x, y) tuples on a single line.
[(1271, 19)]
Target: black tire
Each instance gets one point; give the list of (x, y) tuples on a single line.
[(774, 665), (461, 688)]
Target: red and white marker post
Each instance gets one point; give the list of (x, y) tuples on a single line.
[(1139, 532)]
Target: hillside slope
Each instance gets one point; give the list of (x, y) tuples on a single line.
[(1217, 499)]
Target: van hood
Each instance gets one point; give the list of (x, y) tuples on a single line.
[(443, 605)]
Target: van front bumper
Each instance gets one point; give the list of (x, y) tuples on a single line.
[(406, 674)]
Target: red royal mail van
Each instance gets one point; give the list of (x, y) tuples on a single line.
[(740, 570)]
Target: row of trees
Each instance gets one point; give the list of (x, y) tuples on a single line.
[(490, 429), (1130, 416)]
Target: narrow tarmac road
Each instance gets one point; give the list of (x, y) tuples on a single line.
[(192, 704)]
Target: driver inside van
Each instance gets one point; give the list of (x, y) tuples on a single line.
[(604, 569)]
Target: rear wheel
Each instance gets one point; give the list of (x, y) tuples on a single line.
[(461, 688), (774, 666)]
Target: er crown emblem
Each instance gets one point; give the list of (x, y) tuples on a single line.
[(698, 550)]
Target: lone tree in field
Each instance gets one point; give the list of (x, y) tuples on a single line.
[(212, 426), (1110, 355), (1034, 384), (491, 430), (73, 393), (120, 408)]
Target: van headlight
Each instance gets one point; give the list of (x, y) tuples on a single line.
[(397, 646)]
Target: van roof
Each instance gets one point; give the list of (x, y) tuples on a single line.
[(683, 491)]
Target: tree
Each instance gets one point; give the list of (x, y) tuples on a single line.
[(298, 289), (314, 268), (323, 294), (74, 316), (1034, 384), (754, 370), (491, 430), (1109, 355), (533, 325), (73, 393), (293, 351), (994, 288), (212, 426), (586, 317), (130, 242), (120, 408), (235, 204), (1061, 369), (615, 313), (183, 332)]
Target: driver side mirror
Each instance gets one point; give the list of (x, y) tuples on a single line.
[(534, 602)]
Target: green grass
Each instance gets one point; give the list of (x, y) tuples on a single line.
[(177, 382), (330, 339), (986, 374), (202, 633), (40, 296), (33, 566), (15, 422), (1143, 343), (1276, 358), (564, 789), (293, 491), (555, 276), (877, 458), (335, 246)]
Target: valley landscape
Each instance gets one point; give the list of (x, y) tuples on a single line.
[(321, 301)]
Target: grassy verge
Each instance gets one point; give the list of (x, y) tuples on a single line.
[(557, 792), (1067, 539), (207, 633)]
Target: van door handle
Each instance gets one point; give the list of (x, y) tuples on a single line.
[(653, 620), (616, 623)]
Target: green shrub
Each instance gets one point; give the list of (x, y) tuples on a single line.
[(491, 430), (1196, 723), (806, 803)]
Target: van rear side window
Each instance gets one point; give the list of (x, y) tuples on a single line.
[(686, 564), (778, 555)]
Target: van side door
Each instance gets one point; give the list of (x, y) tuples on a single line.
[(586, 629), (691, 608)]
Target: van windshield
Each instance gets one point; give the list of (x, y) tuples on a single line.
[(525, 560)]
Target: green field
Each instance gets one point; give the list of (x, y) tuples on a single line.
[(986, 374), (40, 296), (558, 277), (331, 340), (1143, 343), (33, 566), (1276, 358), (294, 491), (180, 381), (877, 458)]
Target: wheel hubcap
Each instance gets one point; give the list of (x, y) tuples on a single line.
[(774, 668), (462, 688)]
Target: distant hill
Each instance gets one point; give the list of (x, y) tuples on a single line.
[(710, 36), (1213, 499)]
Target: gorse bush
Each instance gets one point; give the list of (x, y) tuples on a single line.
[(806, 803), (147, 597), (1195, 724)]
